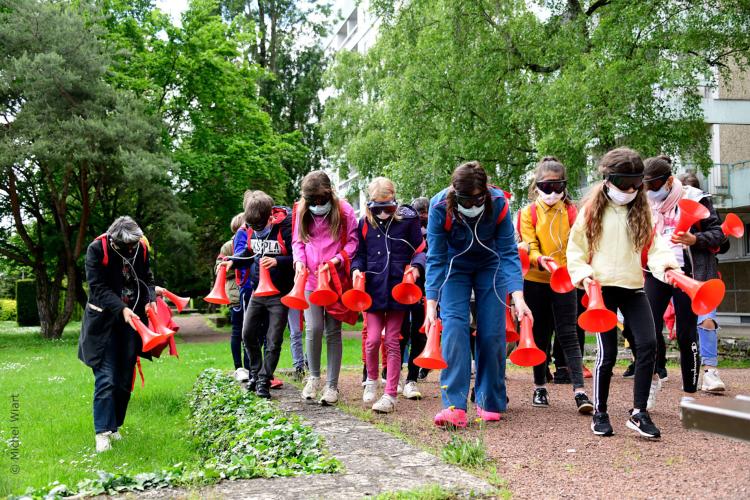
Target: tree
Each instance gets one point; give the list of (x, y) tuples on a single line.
[(495, 81), (74, 151)]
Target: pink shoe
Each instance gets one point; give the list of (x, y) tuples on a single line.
[(487, 416), (451, 418)]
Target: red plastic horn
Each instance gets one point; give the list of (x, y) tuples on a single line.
[(511, 333), (156, 324), (524, 256), (705, 295), (357, 299), (690, 213), (148, 338), (560, 279), (733, 226), (266, 287), (432, 357), (324, 295), (296, 298), (219, 293), (527, 353), (179, 302), (407, 292), (596, 317)]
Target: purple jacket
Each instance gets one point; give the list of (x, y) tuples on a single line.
[(384, 252)]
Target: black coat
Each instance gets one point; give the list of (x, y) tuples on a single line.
[(103, 315), (700, 258)]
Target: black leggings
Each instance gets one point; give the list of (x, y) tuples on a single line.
[(637, 313), (556, 311), (659, 294), (557, 350)]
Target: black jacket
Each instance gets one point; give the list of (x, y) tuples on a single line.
[(103, 315), (700, 258)]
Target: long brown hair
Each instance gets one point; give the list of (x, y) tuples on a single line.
[(317, 183), (622, 161), (548, 165), (467, 178)]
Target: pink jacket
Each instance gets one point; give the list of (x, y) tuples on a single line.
[(322, 247)]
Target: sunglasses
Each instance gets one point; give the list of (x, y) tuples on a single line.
[(377, 208), (655, 183), (624, 182), (470, 200), (549, 187), (316, 200), (123, 246)]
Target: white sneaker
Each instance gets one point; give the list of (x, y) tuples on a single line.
[(241, 375), (311, 388), (386, 404), (115, 436), (712, 382), (330, 396), (411, 391), (102, 442), (655, 387), (370, 391)]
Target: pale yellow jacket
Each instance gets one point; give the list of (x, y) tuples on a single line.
[(549, 238), (616, 262)]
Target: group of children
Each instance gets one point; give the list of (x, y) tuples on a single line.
[(461, 248)]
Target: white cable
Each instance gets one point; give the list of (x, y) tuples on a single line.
[(130, 262)]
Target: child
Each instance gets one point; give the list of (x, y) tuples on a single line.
[(472, 248), (389, 240), (606, 243), (270, 241), (545, 226), (325, 232)]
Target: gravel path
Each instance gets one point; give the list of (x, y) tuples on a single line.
[(195, 328), (551, 453)]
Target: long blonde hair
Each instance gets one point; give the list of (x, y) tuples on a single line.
[(622, 161), (379, 188), (317, 183)]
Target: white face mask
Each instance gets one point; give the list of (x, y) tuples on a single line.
[(321, 209), (471, 212), (659, 195), (620, 197), (550, 199)]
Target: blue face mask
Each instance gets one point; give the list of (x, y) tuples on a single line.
[(470, 212)]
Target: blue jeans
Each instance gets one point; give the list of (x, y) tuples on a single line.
[(295, 334), (490, 339), (113, 380), (708, 340)]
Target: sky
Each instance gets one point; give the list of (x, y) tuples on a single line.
[(173, 7)]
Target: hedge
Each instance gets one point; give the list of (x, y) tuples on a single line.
[(7, 310), (27, 313)]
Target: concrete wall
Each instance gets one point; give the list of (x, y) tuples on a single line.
[(735, 87)]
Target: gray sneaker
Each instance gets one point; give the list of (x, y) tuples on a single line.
[(311, 388), (330, 396)]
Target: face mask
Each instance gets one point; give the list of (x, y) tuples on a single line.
[(551, 198), (471, 212), (619, 197), (659, 195), (321, 209)]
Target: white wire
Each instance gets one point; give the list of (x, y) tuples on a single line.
[(132, 267), (387, 249)]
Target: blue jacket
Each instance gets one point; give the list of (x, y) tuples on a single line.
[(404, 238), (242, 276), (494, 231)]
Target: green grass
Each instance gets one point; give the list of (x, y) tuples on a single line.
[(432, 492), (55, 424)]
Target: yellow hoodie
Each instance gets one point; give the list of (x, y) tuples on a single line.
[(548, 239), (616, 262)]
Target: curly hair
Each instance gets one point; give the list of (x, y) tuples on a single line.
[(618, 161)]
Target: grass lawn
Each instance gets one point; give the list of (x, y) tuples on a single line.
[(55, 424)]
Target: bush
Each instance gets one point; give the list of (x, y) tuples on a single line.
[(27, 313), (7, 310)]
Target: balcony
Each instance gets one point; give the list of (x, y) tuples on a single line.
[(728, 183)]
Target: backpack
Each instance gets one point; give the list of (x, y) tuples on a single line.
[(366, 225), (104, 237), (448, 225)]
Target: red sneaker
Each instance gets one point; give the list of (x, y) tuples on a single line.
[(586, 372), (276, 383), (487, 416), (451, 418)]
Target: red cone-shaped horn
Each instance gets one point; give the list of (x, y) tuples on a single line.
[(357, 299), (596, 317), (733, 226), (527, 353), (705, 295), (690, 213), (560, 279), (432, 357), (266, 287), (407, 292), (323, 295), (296, 298), (148, 338), (157, 325), (179, 302), (219, 293), (524, 256), (511, 333)]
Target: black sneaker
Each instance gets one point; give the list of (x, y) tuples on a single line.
[(642, 424), (541, 398), (584, 404), (561, 376), (262, 391), (600, 425), (252, 383), (629, 371), (423, 372), (662, 372)]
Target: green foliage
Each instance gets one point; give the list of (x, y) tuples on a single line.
[(7, 310), (466, 452), (452, 81), (433, 492), (27, 313)]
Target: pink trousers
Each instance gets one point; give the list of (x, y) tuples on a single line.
[(376, 322)]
